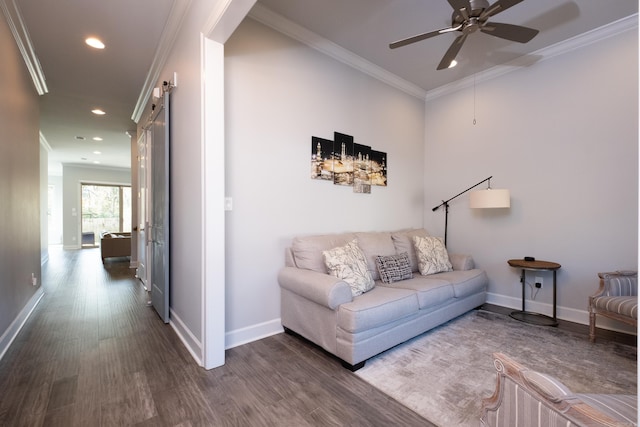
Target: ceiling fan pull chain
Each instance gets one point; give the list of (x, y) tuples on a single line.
[(474, 99)]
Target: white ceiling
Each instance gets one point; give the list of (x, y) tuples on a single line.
[(366, 27), (80, 79)]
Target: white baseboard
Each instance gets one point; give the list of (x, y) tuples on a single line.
[(563, 313), (190, 341), (12, 331), (253, 333)]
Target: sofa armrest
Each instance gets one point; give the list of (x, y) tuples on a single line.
[(461, 262), (320, 288)]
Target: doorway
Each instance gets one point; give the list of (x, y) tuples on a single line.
[(105, 209)]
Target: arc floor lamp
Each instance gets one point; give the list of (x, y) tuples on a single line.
[(480, 199)]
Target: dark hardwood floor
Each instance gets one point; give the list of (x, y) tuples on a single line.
[(93, 354)]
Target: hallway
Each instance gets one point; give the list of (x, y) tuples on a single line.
[(93, 354)]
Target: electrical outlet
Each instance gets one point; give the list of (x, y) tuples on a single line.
[(539, 283)]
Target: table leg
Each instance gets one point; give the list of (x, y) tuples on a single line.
[(554, 294), (523, 290)]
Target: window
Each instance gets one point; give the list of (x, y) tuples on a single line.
[(105, 208)]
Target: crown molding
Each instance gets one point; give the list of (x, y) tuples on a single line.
[(225, 18), (313, 40), (617, 27), (44, 143), (23, 41), (169, 34)]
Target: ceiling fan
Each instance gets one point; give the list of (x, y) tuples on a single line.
[(468, 17)]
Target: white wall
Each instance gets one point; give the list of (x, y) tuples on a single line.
[(280, 93), (55, 231), (562, 135), (73, 176)]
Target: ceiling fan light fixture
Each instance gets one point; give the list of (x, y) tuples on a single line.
[(94, 43)]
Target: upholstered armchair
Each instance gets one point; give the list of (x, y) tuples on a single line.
[(524, 397), (617, 298)]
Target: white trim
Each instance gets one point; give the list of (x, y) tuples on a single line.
[(313, 40), (225, 18), (190, 341), (16, 326), (562, 313), (253, 333), (582, 40), (45, 144), (168, 37), (23, 41)]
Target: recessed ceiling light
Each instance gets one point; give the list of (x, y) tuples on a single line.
[(94, 42), (96, 162), (97, 152), (97, 138), (83, 158), (98, 112)]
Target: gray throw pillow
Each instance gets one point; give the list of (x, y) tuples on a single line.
[(394, 268)]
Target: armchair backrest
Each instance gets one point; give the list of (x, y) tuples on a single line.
[(619, 283)]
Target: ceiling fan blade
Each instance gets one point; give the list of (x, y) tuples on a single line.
[(452, 52), (423, 36), (461, 7), (497, 7), (511, 32)]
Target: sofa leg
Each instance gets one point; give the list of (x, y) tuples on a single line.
[(355, 367)]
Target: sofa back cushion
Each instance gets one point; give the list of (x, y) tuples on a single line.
[(403, 242), (375, 244), (307, 250)]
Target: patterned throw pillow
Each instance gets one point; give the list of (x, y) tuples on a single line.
[(394, 268), (432, 255), (349, 264)]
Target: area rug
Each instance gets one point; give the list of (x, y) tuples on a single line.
[(444, 373)]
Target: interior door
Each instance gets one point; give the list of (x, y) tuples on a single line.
[(158, 229), (142, 220)]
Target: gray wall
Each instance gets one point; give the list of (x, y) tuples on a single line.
[(562, 136), (278, 94), (20, 249)]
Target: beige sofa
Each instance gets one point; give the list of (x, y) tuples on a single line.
[(115, 245), (321, 308), (528, 398)]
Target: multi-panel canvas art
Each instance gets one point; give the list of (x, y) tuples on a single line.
[(347, 163), (321, 158)]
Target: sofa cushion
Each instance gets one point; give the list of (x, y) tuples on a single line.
[(394, 268), (625, 306), (432, 255), (377, 307), (430, 290), (403, 242), (307, 251), (465, 282), (374, 244), (348, 263)]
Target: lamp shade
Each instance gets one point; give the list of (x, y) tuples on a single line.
[(490, 198)]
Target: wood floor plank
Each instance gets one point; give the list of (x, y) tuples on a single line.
[(94, 354)]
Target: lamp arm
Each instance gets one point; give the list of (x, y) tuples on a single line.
[(446, 202)]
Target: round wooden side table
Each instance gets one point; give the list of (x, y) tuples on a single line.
[(527, 316)]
